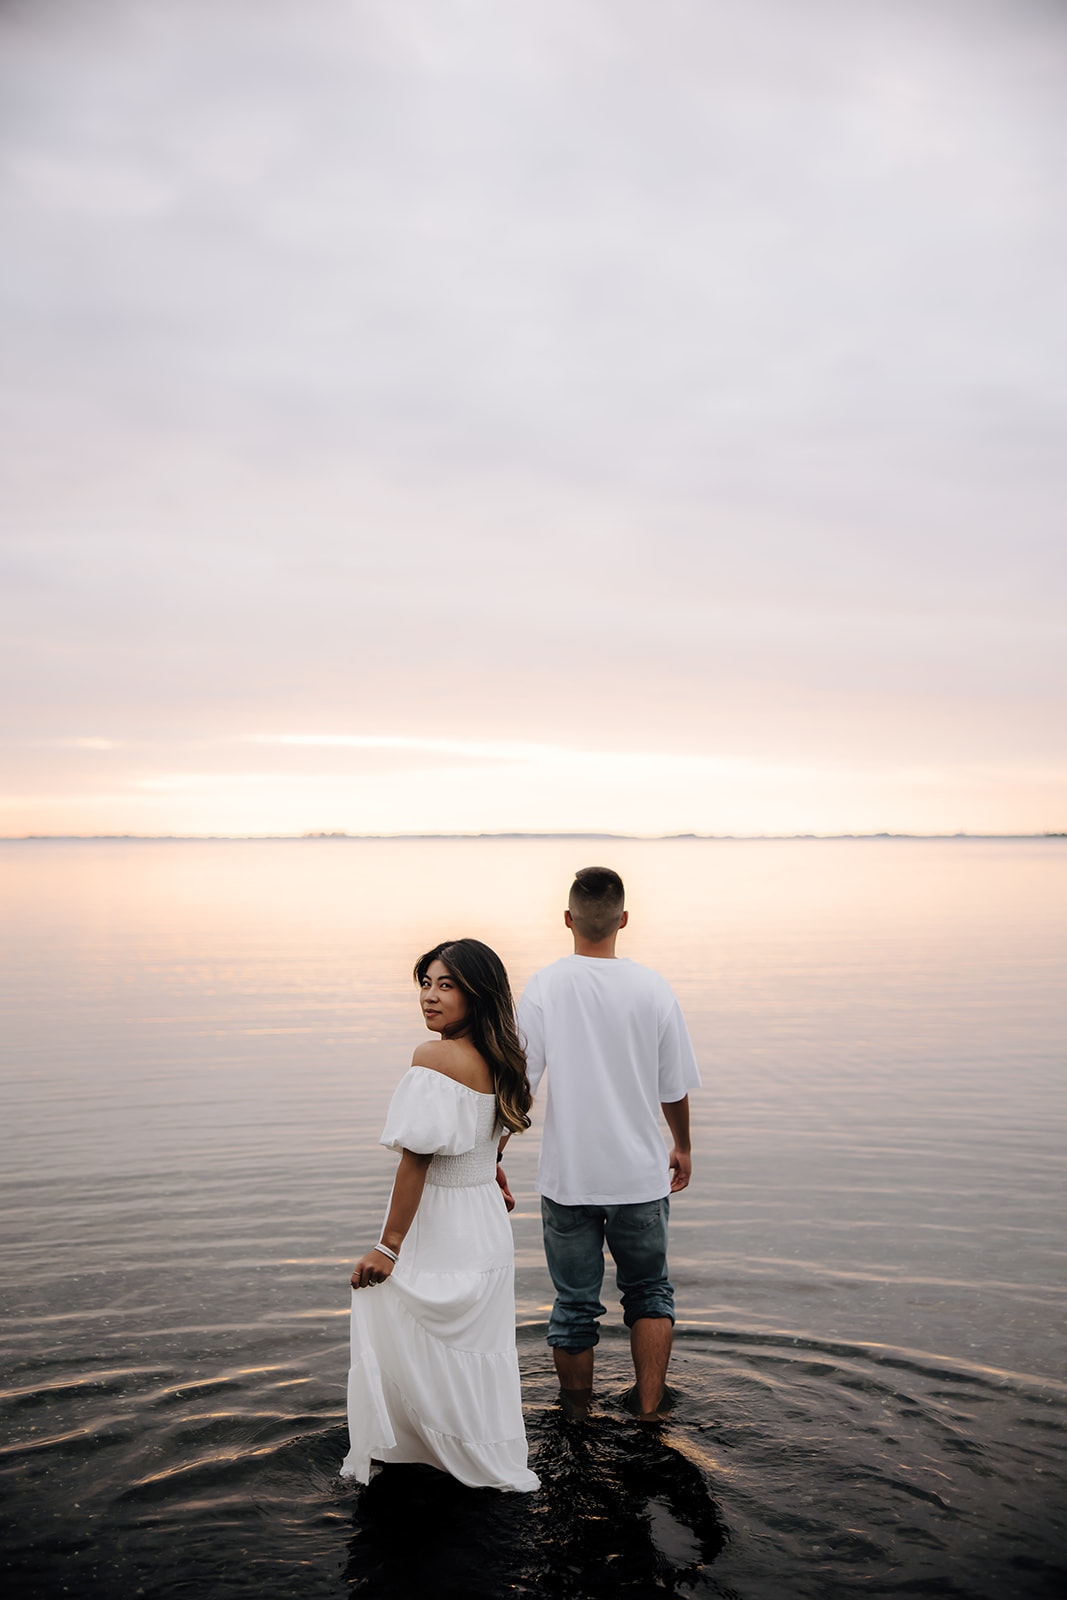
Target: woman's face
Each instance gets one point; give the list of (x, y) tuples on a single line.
[(444, 1005)]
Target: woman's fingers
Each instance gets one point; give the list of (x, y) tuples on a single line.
[(372, 1268), (364, 1274)]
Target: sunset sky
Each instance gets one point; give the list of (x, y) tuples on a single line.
[(641, 416)]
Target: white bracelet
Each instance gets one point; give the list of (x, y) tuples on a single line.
[(384, 1248)]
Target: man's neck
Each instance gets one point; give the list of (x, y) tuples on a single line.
[(603, 950)]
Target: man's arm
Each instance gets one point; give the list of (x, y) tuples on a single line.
[(531, 1025), (531, 1037), (676, 1115)]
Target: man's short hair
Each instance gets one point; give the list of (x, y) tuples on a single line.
[(596, 902)]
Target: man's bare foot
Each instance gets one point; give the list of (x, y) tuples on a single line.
[(576, 1403), (660, 1414)]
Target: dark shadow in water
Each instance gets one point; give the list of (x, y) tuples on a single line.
[(619, 1512)]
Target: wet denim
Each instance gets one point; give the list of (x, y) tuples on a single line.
[(575, 1237)]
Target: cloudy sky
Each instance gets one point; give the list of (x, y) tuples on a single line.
[(461, 415)]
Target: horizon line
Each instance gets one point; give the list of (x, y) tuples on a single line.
[(358, 838)]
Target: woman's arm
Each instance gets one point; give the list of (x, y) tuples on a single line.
[(375, 1266), (509, 1198)]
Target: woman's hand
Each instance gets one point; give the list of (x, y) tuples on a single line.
[(374, 1267), (509, 1198)]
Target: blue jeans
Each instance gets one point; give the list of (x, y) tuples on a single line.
[(636, 1235)]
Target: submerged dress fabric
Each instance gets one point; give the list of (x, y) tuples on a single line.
[(435, 1375)]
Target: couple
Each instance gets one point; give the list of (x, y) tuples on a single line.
[(434, 1375)]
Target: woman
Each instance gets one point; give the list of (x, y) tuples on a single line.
[(435, 1376)]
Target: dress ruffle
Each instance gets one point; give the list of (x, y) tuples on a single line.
[(414, 1397)]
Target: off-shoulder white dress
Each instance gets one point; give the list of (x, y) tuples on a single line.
[(435, 1375)]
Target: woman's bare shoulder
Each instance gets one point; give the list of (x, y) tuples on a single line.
[(455, 1059), (435, 1054)]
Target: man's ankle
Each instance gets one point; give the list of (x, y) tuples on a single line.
[(576, 1403), (574, 1368)]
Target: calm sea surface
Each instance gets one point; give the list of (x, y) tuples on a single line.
[(199, 1041)]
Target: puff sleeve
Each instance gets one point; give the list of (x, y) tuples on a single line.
[(431, 1114)]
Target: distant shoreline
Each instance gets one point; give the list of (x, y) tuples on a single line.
[(608, 838)]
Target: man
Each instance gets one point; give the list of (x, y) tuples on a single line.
[(613, 1040)]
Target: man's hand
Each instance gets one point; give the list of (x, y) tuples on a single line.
[(681, 1164), (676, 1116), (509, 1198)]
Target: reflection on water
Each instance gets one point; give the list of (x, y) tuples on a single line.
[(199, 1041), (620, 1512)]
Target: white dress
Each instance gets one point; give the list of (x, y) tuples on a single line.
[(435, 1375)]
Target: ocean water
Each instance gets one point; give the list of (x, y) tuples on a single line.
[(198, 1044)]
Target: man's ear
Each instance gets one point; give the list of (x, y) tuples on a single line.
[(624, 919), (568, 920)]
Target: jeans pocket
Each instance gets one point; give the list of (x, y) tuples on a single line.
[(646, 1214), (563, 1220)]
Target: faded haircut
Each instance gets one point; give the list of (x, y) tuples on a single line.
[(596, 902)]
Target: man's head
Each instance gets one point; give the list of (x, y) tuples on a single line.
[(596, 904)]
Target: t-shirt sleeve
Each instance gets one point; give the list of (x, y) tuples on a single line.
[(430, 1114), (678, 1070), (531, 1023)]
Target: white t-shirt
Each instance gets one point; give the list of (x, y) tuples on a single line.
[(613, 1039)]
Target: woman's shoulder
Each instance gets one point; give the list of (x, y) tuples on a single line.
[(455, 1059)]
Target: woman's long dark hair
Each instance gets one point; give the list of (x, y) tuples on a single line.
[(489, 1023)]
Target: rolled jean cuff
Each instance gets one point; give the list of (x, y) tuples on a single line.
[(571, 1344), (659, 1306)]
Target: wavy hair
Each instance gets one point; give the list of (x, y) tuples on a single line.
[(489, 1023)]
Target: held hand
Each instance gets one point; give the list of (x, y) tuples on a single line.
[(371, 1268), (681, 1170), (509, 1198)]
